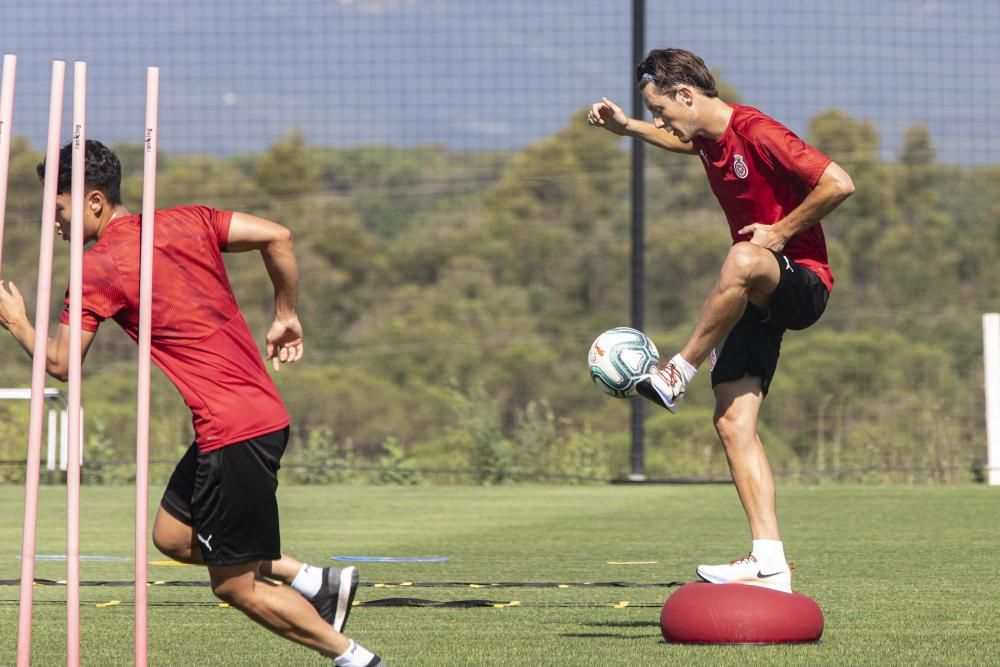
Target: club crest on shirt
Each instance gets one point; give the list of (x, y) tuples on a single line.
[(740, 167)]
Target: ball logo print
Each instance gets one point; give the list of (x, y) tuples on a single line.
[(618, 358), (740, 167)]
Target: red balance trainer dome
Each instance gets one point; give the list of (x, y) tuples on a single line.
[(703, 613)]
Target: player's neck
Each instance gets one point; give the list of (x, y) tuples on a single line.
[(116, 212), (717, 115)]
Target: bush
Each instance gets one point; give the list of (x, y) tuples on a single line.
[(396, 466), (322, 460)]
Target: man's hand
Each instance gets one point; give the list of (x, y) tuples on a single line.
[(12, 310), (765, 236), (284, 342), (608, 115)]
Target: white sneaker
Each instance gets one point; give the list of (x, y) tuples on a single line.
[(664, 386), (748, 571)]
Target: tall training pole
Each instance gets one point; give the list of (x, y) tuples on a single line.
[(638, 454), (6, 128), (38, 365), (145, 337), (991, 376), (75, 363)]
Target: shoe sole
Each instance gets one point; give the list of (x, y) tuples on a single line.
[(348, 582), (648, 391), (762, 583)]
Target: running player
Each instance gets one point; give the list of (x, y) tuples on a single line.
[(219, 508)]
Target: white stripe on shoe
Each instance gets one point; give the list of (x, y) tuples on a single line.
[(344, 597)]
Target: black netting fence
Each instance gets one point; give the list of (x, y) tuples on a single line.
[(463, 235)]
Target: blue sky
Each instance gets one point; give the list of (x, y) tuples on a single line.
[(237, 75)]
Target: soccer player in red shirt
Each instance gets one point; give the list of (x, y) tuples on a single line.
[(774, 189), (219, 508)]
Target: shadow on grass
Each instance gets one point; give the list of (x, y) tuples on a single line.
[(610, 625), (624, 624), (609, 635)]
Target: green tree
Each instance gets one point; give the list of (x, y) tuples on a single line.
[(860, 221), (288, 169)]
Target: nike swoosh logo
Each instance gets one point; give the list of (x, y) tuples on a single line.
[(761, 575)]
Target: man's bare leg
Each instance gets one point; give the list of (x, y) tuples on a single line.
[(737, 408), (283, 569), (277, 608), (178, 540), (750, 273), (175, 539)]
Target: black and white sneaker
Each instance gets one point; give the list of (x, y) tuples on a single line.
[(664, 386), (335, 598)]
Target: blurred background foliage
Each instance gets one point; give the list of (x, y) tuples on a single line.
[(449, 299)]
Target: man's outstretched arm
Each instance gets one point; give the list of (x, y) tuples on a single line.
[(14, 318), (612, 118)]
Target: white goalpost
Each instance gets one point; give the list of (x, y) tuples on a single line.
[(58, 425), (991, 377)]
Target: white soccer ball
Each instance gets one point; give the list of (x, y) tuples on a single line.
[(619, 357)]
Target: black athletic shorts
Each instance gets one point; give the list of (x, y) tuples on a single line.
[(228, 497), (752, 347)]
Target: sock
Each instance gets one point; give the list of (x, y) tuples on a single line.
[(356, 655), (308, 581), (686, 369), (769, 553)]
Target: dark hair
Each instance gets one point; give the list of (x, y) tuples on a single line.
[(668, 68), (102, 170)]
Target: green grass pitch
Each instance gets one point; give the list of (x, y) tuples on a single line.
[(904, 575)]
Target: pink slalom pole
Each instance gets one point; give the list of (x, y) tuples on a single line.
[(145, 336), (6, 128), (75, 363), (39, 358)]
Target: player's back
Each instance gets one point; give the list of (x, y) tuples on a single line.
[(192, 294), (199, 337)]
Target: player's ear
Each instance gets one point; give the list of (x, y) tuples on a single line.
[(685, 95), (96, 201)]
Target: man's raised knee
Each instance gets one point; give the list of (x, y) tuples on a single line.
[(168, 547), (746, 259), (751, 268)]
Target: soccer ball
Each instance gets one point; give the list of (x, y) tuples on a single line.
[(619, 357)]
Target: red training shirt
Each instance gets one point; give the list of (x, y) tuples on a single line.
[(199, 337), (760, 171)]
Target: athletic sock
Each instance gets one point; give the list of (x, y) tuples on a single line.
[(356, 655), (769, 553), (686, 369), (308, 581)]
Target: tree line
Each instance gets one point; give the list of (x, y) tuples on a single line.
[(449, 299)]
